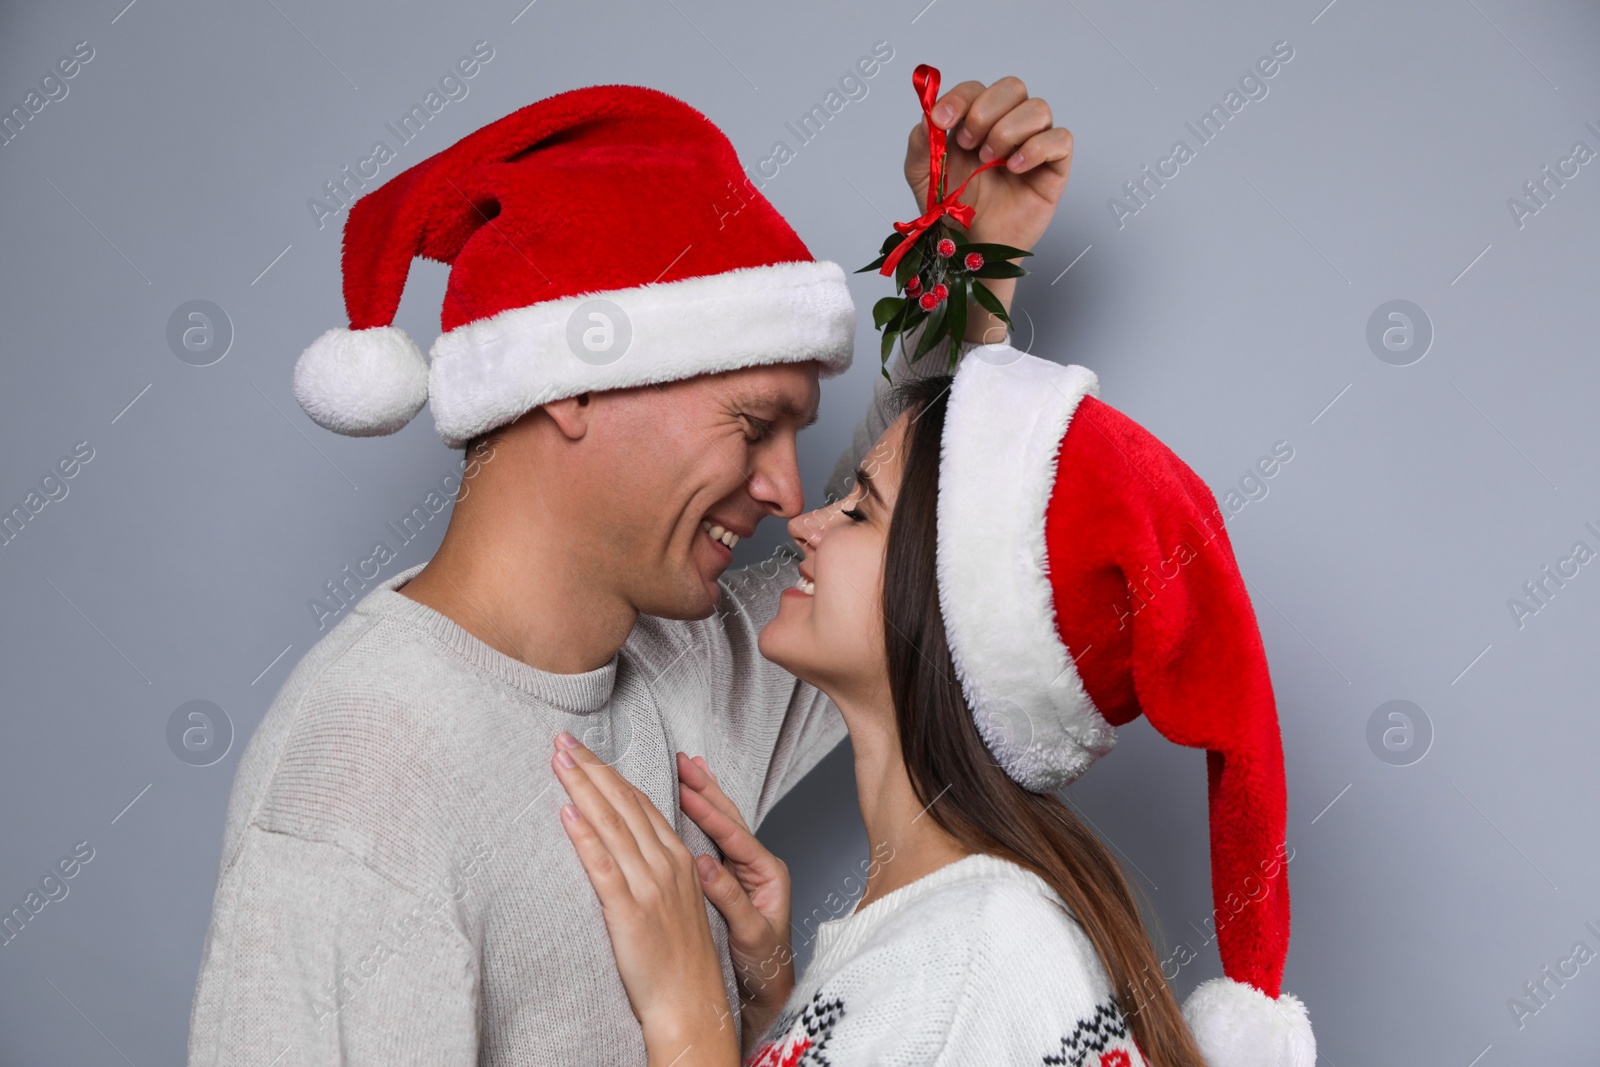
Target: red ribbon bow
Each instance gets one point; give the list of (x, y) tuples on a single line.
[(925, 80)]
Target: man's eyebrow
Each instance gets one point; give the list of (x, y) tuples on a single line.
[(865, 479), (785, 406)]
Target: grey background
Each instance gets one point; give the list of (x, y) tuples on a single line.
[(1227, 315)]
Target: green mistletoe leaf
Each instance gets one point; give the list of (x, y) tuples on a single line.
[(889, 244), (884, 311), (932, 331), (909, 265), (998, 268), (990, 303), (956, 317), (915, 316), (885, 348), (994, 251)]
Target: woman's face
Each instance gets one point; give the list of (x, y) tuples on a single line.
[(829, 627)]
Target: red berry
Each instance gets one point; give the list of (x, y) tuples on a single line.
[(928, 302), (974, 260), (914, 286), (940, 291), (946, 247)]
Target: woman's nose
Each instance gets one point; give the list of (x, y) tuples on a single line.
[(806, 527)]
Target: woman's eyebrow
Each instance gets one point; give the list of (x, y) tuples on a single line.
[(866, 480)]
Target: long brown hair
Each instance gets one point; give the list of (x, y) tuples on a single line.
[(947, 760)]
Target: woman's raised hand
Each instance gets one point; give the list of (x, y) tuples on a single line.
[(1014, 202), (654, 908), (751, 890)]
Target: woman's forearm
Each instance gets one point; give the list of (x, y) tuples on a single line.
[(755, 1017), (705, 1039), (702, 1039)]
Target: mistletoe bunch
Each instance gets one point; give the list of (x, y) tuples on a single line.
[(936, 269), (937, 276)]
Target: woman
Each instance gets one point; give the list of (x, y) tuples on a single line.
[(982, 610)]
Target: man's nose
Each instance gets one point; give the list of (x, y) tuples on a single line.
[(776, 481)]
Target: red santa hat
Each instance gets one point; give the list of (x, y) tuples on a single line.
[(1101, 587), (602, 238)]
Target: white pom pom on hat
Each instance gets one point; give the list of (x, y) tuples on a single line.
[(1237, 1025), (362, 383)]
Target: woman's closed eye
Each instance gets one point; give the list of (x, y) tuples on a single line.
[(854, 514)]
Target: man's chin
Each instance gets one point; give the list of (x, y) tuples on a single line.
[(713, 593), (699, 598)]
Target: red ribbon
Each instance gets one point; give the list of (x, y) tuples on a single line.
[(925, 80)]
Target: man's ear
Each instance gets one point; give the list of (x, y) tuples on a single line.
[(571, 415)]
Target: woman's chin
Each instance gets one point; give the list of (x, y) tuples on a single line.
[(789, 645), (779, 643)]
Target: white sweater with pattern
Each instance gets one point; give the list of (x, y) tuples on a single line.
[(976, 963)]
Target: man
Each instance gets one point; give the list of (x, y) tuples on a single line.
[(628, 361)]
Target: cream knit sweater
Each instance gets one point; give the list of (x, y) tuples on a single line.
[(975, 964), (395, 885)]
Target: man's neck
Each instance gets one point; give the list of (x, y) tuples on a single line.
[(537, 601)]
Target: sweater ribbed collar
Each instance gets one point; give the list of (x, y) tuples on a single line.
[(580, 694), (838, 939)]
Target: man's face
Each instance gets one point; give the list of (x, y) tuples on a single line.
[(673, 464)]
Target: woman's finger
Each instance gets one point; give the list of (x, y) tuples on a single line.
[(612, 826), (1030, 117), (952, 107), (746, 925), (696, 774), (738, 844), (990, 105), (665, 833), (610, 884), (1052, 149), (657, 843), (616, 789), (704, 766)]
